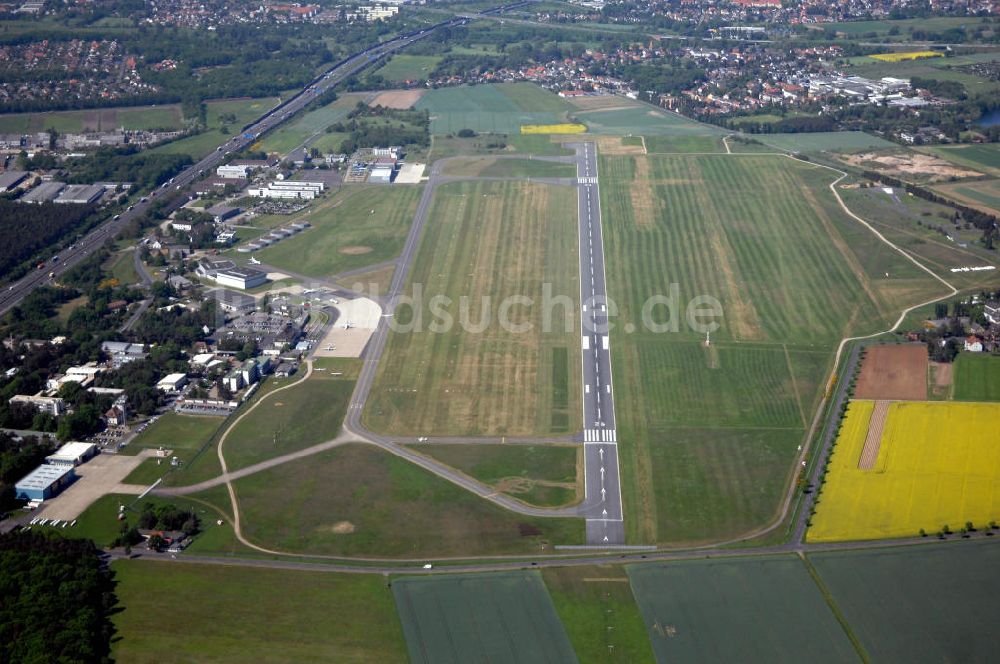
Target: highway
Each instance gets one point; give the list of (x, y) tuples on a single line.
[(96, 238), (602, 505)]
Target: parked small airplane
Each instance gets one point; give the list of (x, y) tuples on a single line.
[(347, 325), (254, 261)]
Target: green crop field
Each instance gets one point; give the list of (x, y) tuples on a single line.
[(408, 67), (978, 156), (312, 124), (500, 617), (859, 28), (209, 613), (166, 117), (366, 226), (599, 613), (709, 434), (977, 377), (933, 603), (667, 144), (824, 140), (309, 413), (978, 194), (357, 500), (746, 610), (492, 108), (537, 474), (199, 145), (489, 241)]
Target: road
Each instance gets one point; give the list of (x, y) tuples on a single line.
[(96, 238), (602, 505)]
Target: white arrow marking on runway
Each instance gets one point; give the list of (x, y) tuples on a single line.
[(600, 451), (602, 473), (603, 492), (604, 512), (605, 538)]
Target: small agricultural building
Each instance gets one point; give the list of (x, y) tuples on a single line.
[(72, 454), (44, 482)]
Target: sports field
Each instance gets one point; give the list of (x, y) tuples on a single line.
[(711, 432), (363, 226), (746, 610), (357, 500), (934, 603), (211, 613), (499, 617), (499, 108), (408, 67), (487, 242), (536, 474), (311, 412), (977, 377), (938, 464)]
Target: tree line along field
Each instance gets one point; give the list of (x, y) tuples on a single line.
[(937, 464), (501, 108), (709, 434), (488, 241), (365, 226)]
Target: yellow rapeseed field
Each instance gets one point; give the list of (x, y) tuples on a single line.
[(554, 129), (939, 463), (909, 55)]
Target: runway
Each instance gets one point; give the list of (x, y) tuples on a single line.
[(602, 505)]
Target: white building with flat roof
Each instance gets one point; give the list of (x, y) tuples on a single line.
[(240, 277), (172, 382), (72, 454)]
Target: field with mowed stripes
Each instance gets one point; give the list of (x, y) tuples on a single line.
[(485, 243), (710, 433)]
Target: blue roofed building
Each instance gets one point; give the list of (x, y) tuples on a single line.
[(44, 482)]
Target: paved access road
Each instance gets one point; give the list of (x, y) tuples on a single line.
[(602, 505), (96, 238)]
